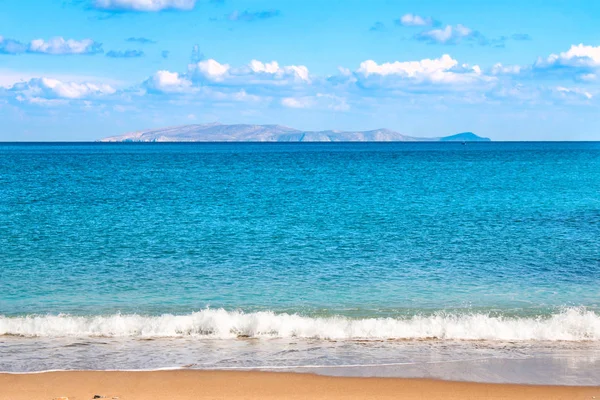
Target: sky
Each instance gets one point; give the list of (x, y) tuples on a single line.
[(80, 70)]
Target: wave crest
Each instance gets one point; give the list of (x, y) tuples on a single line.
[(572, 324)]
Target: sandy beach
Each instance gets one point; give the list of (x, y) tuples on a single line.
[(183, 385)]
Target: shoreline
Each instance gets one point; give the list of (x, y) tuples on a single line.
[(214, 384)]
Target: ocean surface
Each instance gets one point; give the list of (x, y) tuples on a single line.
[(469, 262)]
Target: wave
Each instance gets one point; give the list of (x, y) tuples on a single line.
[(571, 324)]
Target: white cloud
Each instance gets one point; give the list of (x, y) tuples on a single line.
[(293, 86), (270, 68), (299, 72), (145, 5), (256, 73), (439, 70), (37, 89), (211, 70), (74, 90), (415, 20), (580, 63), (210, 80), (411, 69), (449, 34), (438, 35), (174, 83), (59, 45), (168, 82), (577, 56)]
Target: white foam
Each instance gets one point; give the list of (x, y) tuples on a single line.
[(572, 324)]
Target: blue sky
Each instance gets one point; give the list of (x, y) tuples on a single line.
[(509, 70)]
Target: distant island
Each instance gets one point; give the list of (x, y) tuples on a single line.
[(216, 132)]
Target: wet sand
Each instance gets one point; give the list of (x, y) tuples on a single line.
[(188, 384)]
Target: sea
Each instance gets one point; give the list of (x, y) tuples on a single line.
[(462, 261)]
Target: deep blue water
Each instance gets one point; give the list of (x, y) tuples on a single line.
[(317, 229)]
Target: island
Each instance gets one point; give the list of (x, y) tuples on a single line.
[(216, 132)]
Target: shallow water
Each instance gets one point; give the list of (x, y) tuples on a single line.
[(309, 242), (557, 363)]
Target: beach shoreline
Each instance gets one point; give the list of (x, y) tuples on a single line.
[(195, 384)]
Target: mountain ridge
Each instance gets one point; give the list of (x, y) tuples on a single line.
[(215, 132)]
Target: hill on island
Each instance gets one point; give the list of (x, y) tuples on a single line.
[(274, 133)]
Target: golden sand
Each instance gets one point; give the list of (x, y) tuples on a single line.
[(187, 384)]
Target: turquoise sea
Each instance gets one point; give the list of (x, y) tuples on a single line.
[(382, 258)]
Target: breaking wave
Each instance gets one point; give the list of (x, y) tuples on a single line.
[(571, 324)]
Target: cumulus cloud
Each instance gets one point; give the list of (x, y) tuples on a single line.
[(255, 73), (210, 69), (293, 86), (269, 68), (168, 82), (268, 82), (439, 70), (215, 81), (577, 56), (53, 46), (37, 89), (250, 16), (60, 46), (125, 54), (579, 63), (415, 20), (144, 5), (295, 72)]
